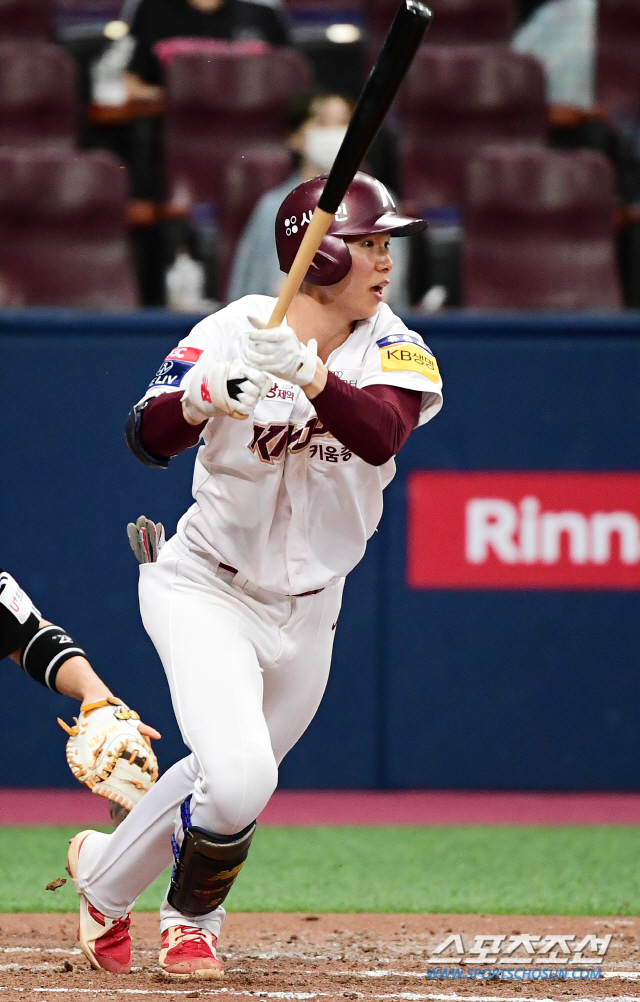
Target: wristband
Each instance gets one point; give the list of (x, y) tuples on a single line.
[(45, 654)]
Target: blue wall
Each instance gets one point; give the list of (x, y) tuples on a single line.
[(485, 689)]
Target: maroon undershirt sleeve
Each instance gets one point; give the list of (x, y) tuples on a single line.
[(374, 422), (164, 431)]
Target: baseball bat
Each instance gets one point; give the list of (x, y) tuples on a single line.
[(395, 57)]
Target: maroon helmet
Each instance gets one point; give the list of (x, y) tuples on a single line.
[(367, 208)]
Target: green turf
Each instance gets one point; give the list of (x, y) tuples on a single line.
[(524, 870)]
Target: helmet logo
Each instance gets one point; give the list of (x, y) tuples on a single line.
[(342, 212), (292, 225), (384, 194)]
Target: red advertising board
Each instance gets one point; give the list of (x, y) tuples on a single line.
[(523, 530)]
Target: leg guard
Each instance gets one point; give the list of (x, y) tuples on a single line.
[(19, 619), (206, 866)]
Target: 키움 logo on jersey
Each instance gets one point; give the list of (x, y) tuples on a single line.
[(270, 442), (175, 366), (524, 530)]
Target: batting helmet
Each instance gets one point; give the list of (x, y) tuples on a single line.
[(367, 208)]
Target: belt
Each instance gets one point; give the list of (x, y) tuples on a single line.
[(229, 574)]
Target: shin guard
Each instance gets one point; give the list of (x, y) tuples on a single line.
[(206, 866)]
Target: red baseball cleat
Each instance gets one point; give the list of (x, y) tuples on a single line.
[(189, 952), (105, 942)]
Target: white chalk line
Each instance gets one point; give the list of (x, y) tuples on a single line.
[(39, 949)]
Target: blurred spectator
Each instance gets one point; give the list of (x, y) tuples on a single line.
[(154, 20), (316, 126), (562, 35)]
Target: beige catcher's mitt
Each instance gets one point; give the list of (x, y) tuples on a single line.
[(107, 752)]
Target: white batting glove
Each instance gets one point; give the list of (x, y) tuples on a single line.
[(220, 389), (279, 352)]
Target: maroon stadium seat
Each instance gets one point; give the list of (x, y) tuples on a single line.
[(455, 22), (249, 175), (539, 230), (25, 18), (63, 235), (218, 105), (93, 12), (37, 95), (325, 11), (618, 76), (455, 100)]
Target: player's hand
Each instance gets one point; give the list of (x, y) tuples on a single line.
[(279, 352), (219, 389), (149, 732), (110, 752)]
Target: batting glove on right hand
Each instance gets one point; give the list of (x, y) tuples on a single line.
[(220, 389), (279, 352)]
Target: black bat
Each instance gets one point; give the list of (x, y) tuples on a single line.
[(395, 58)]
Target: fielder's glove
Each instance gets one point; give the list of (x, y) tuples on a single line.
[(146, 539), (219, 389), (110, 752), (279, 352)]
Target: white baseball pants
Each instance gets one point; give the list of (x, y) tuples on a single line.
[(246, 678)]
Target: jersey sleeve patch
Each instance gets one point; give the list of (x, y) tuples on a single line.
[(400, 353), (185, 353), (175, 366), (404, 337)]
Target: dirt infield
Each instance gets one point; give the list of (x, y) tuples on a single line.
[(290, 956)]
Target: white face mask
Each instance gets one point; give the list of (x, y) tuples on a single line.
[(321, 144)]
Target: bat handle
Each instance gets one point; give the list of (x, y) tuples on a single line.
[(316, 230)]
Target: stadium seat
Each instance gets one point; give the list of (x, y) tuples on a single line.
[(618, 74), (455, 100), (37, 95), (539, 230), (63, 235), (25, 18), (89, 12), (219, 104), (324, 11), (455, 22), (249, 175)]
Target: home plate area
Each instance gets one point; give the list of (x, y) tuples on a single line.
[(325, 956)]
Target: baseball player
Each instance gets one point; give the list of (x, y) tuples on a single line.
[(242, 602), (108, 748)]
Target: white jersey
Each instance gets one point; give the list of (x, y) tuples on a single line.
[(276, 496)]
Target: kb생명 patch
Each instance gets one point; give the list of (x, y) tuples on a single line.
[(409, 356)]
